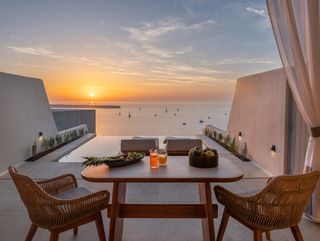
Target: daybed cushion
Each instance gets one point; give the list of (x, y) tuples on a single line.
[(139, 145), (181, 146)]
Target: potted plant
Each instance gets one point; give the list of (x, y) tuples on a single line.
[(51, 142), (58, 139), (244, 151), (215, 134), (34, 148), (45, 144), (227, 140), (233, 146)]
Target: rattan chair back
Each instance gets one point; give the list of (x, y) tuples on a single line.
[(280, 204), (39, 204)]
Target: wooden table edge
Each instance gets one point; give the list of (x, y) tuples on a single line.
[(162, 180)]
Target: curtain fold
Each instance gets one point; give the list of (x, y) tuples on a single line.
[(296, 26)]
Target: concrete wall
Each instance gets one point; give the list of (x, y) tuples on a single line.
[(24, 111), (67, 118), (259, 111)]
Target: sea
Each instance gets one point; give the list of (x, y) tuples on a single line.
[(161, 118)]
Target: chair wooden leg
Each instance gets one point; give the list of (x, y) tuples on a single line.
[(100, 228), (31, 232), (268, 236), (257, 235), (54, 236), (75, 231), (296, 233), (223, 225)]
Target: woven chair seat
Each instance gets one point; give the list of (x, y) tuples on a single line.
[(73, 193), (250, 192)]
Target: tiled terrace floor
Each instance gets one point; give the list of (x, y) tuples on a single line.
[(14, 222)]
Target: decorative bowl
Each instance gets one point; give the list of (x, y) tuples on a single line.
[(200, 158)]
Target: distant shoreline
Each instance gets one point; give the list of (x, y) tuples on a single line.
[(86, 106)]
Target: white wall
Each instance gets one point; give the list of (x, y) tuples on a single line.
[(24, 111), (259, 111)]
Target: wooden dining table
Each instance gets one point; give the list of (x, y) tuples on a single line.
[(177, 170)]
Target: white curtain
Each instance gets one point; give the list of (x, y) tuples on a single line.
[(296, 26)]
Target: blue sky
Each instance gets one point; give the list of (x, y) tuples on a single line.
[(178, 46)]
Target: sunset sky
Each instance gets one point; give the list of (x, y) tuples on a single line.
[(144, 50)]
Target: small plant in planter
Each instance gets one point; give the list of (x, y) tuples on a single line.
[(66, 137), (244, 151), (34, 148), (215, 134), (207, 131), (227, 139), (233, 146), (45, 144), (73, 134), (51, 142), (81, 132), (58, 139)]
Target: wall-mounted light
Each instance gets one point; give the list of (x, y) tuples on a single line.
[(273, 149), (40, 136), (240, 135)]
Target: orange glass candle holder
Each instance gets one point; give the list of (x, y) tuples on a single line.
[(154, 158)]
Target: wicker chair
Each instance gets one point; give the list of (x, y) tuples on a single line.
[(277, 206), (59, 204)]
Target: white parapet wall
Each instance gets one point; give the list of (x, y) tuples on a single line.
[(24, 112), (259, 111)]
